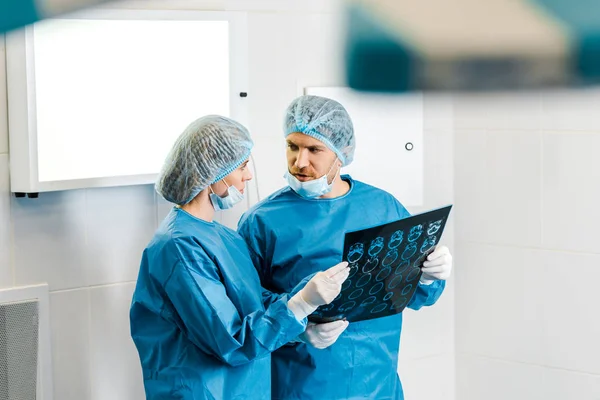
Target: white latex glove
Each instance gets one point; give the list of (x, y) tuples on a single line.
[(320, 290), (321, 336), (438, 266)]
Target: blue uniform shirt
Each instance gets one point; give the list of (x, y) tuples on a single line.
[(290, 237), (197, 316)]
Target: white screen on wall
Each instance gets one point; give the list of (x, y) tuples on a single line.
[(113, 95)]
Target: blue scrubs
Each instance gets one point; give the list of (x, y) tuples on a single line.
[(197, 316), (290, 237)]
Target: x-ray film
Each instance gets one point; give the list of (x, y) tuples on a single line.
[(385, 267)]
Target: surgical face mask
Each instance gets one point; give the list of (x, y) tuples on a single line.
[(311, 189), (231, 199)]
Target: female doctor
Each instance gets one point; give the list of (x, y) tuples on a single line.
[(197, 316)]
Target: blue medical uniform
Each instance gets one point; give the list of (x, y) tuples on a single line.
[(197, 316), (290, 237)]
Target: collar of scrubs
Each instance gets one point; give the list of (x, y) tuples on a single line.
[(188, 215), (346, 178)]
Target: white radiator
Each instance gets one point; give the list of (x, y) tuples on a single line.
[(25, 354)]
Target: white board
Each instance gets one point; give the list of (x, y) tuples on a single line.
[(389, 140)]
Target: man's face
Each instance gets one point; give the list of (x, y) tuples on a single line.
[(309, 158)]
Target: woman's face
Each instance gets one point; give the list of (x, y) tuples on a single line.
[(237, 178)]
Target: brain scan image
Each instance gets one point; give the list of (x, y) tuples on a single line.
[(395, 282), (376, 288), (409, 251), (390, 257), (385, 264), (356, 252), (352, 271), (396, 239), (376, 247), (356, 294), (415, 233), (428, 243), (434, 227), (383, 273), (347, 283), (368, 301), (370, 265), (419, 262), (399, 303), (347, 306), (413, 274), (402, 267), (379, 308), (407, 289), (363, 280)]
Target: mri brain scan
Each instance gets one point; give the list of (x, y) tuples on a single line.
[(390, 257), (396, 239), (376, 247), (434, 227), (370, 265), (415, 233), (382, 281), (356, 252), (409, 251), (428, 243)]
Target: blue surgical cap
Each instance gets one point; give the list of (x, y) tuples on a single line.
[(208, 150), (324, 119)]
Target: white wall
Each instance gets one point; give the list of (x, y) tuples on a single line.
[(427, 349), (527, 190), (87, 243)]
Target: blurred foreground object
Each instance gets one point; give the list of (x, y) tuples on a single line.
[(18, 13), (399, 45)]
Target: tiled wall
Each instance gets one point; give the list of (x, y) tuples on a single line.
[(527, 189)]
